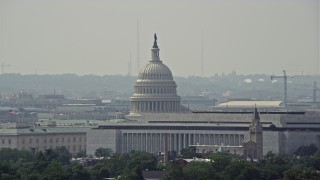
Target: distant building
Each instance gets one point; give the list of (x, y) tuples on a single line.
[(155, 91), (17, 115), (253, 148), (157, 124), (249, 105), (198, 103), (22, 137), (215, 148)]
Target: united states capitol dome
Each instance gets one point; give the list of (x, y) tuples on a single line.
[(155, 70), (155, 91)]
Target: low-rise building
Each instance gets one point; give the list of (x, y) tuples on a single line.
[(38, 139)]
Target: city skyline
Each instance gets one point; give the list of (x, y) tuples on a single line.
[(97, 37)]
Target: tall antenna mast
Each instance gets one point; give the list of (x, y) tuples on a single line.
[(138, 48), (130, 66), (318, 40), (202, 73), (1, 32)]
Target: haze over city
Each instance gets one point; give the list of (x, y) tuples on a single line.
[(98, 37)]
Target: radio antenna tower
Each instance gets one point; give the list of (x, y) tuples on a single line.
[(2, 35), (318, 37), (130, 66), (202, 73), (138, 48)]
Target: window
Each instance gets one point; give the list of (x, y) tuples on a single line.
[(68, 139), (79, 139), (57, 139), (79, 147), (74, 139), (63, 139), (74, 147), (22, 140), (37, 141), (45, 140), (30, 140), (2, 141), (50, 140), (9, 141)]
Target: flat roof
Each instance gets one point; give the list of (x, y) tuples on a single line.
[(251, 104), (33, 130)]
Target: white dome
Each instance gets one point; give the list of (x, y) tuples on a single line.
[(155, 70), (155, 90)]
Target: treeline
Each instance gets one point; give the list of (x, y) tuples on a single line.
[(257, 86), (56, 164)]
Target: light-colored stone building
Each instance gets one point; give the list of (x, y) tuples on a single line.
[(155, 115), (253, 147), (155, 90), (282, 133), (39, 139)]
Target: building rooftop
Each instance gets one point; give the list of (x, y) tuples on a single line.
[(251, 104), (32, 130)]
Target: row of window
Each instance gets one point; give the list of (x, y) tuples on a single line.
[(157, 75), (4, 141), (155, 91), (69, 148), (51, 140)]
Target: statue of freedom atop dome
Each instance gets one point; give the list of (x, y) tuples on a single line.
[(155, 45)]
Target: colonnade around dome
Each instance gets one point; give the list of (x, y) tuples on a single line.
[(155, 91), (155, 106)]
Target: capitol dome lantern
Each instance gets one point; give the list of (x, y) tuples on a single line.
[(155, 91)]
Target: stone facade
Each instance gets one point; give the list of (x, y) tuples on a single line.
[(40, 139), (253, 148), (155, 113), (185, 129), (155, 90)]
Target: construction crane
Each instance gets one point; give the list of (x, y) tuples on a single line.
[(285, 78), (315, 89)]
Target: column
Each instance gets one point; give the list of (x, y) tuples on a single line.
[(147, 142)]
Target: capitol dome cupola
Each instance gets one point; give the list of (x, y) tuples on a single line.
[(155, 89)]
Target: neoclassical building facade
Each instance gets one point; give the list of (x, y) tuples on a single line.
[(156, 124), (155, 91)]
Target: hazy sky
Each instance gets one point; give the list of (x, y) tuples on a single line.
[(98, 36)]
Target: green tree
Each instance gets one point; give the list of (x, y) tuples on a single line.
[(249, 173), (7, 154), (199, 170), (175, 171), (138, 160), (298, 173), (275, 164), (306, 150), (188, 153), (219, 160), (103, 152), (103, 173), (81, 154), (77, 172), (55, 171), (62, 155)]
